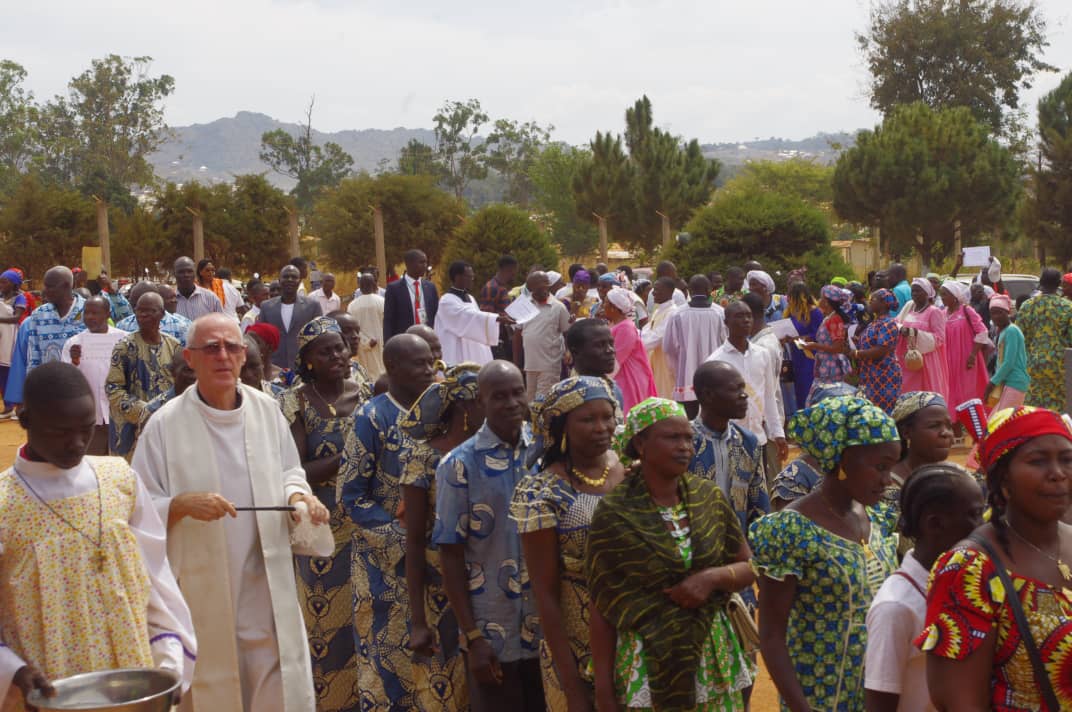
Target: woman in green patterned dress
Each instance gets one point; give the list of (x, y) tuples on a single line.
[(822, 558), (319, 412), (574, 426), (444, 416), (665, 550)]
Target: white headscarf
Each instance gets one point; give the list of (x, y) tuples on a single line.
[(761, 277), (925, 285), (961, 291), (554, 278), (621, 299)]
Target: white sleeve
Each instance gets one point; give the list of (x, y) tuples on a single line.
[(293, 474), (774, 426), (10, 663), (889, 640), (171, 628), (465, 321), (65, 356), (150, 462)]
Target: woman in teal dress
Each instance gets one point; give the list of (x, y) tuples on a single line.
[(822, 558), (446, 415), (665, 551), (574, 425), (320, 411)]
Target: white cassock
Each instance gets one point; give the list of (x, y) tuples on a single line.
[(171, 632), (466, 333), (652, 336), (691, 334), (237, 573), (367, 311)]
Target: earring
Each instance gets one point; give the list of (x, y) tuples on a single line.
[(841, 475), (562, 445), (465, 420), (308, 366)]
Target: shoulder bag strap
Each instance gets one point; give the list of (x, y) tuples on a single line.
[(1013, 601), (912, 581)]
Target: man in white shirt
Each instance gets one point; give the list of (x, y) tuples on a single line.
[(325, 295), (693, 332), (467, 334), (95, 362), (541, 337), (652, 335), (218, 446), (258, 294), (367, 309), (754, 364)]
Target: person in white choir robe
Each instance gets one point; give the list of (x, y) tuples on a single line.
[(652, 335), (692, 333), (218, 446), (87, 585), (467, 334)]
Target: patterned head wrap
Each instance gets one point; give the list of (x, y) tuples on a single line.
[(268, 333), (826, 429), (12, 276), (1001, 301), (841, 300), (564, 397), (608, 278), (833, 389), (621, 299), (1010, 428), (887, 297), (915, 401), (925, 285), (962, 292), (311, 332), (582, 277), (799, 274), (425, 418), (646, 414), (762, 277)]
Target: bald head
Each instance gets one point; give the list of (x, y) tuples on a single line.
[(59, 276), (139, 289), (217, 322), (401, 348), (495, 372), (428, 334), (712, 375), (150, 299), (699, 285)]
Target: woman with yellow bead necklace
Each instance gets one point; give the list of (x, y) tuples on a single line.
[(574, 426)]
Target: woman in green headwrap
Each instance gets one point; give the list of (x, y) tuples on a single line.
[(444, 416), (574, 427), (665, 550), (320, 411), (822, 558)]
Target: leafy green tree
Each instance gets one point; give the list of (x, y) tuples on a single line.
[(512, 149), (461, 158), (552, 174), (173, 208), (99, 136), (315, 167), (492, 232), (254, 227), (43, 225), (416, 214), (18, 118), (946, 53), (920, 174), (417, 159), (603, 183), (139, 242), (781, 231), (1050, 202)]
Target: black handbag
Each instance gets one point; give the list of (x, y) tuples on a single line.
[(1041, 678)]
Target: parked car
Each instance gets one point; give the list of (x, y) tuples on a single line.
[(1017, 285)]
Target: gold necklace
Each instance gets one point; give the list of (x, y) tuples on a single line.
[(1066, 572), (592, 482), (331, 406), (859, 535)]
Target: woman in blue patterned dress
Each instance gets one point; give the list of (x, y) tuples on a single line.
[(876, 353), (831, 363), (822, 558), (574, 424), (320, 411)]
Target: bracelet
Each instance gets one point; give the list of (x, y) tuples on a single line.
[(471, 636), (733, 576)]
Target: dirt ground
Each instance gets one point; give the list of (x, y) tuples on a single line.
[(764, 696)]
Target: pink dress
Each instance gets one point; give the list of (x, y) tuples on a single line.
[(963, 329), (931, 343), (634, 375)]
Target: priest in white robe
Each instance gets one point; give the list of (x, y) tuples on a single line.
[(466, 333), (652, 336), (221, 446)]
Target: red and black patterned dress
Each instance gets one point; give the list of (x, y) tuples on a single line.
[(966, 601)]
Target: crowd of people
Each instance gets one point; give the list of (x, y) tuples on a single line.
[(563, 492)]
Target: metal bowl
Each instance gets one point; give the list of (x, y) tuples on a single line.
[(128, 690)]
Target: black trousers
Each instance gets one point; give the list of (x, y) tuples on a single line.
[(521, 689)]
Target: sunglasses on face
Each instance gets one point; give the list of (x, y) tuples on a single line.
[(213, 348)]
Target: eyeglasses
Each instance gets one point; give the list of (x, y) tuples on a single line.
[(213, 348)]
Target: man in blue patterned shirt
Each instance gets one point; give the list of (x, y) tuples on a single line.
[(483, 569), (52, 323), (174, 325)]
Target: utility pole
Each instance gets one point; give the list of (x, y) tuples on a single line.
[(602, 237), (381, 247), (199, 235), (293, 232), (666, 228), (104, 235)]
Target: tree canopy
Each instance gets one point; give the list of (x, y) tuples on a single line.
[(920, 174), (42, 226), (552, 175), (416, 214), (492, 232), (461, 157), (1050, 205), (975, 53)]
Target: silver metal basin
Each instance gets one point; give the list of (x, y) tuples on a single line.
[(129, 690)]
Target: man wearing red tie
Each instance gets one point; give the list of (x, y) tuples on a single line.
[(410, 300)]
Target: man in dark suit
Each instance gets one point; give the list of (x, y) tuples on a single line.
[(413, 299), (288, 312)]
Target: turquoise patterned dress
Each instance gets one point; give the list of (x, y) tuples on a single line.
[(324, 590), (836, 581)]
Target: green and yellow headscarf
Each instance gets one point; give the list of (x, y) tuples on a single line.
[(828, 428)]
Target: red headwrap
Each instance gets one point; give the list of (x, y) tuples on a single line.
[(1012, 427), (1067, 279), (269, 333)]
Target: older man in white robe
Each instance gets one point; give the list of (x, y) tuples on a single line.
[(652, 335), (466, 333), (219, 462)]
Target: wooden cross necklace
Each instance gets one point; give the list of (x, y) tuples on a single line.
[(98, 545)]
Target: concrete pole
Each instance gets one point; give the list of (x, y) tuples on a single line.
[(666, 228), (199, 235), (602, 237), (293, 232), (104, 235), (381, 247)]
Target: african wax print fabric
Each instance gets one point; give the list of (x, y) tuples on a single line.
[(794, 481), (880, 380), (1046, 321), (140, 371), (733, 460), (830, 368), (967, 602), (830, 426), (835, 581)]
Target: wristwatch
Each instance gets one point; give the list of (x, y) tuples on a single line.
[(471, 636)]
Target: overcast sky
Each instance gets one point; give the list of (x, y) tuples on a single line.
[(717, 70)]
